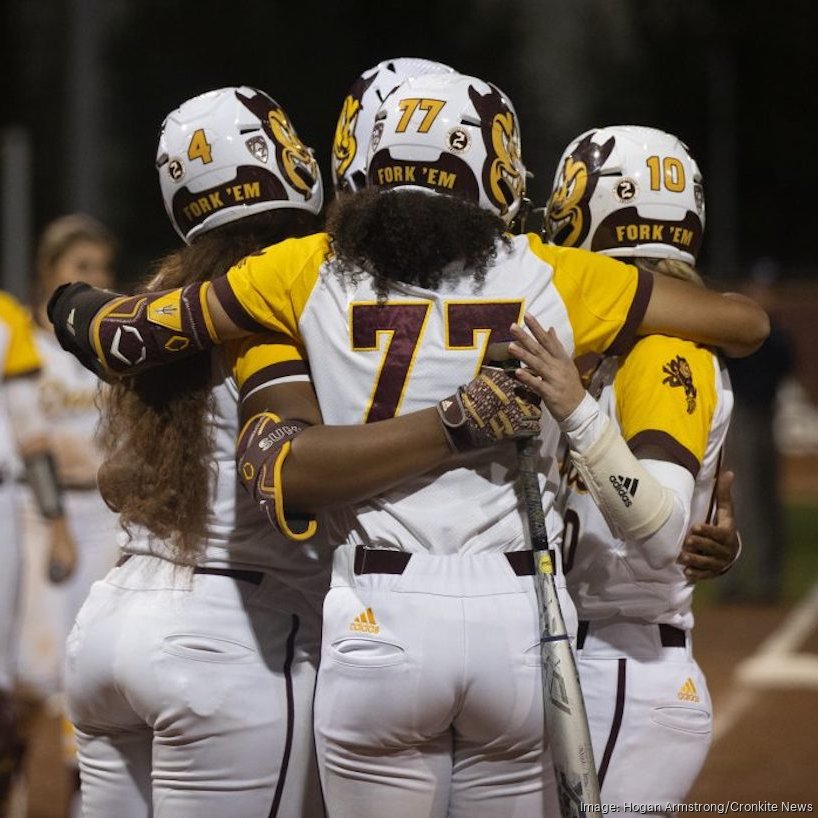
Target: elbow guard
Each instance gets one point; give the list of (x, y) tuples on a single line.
[(121, 335), (71, 309), (262, 448), (634, 504)]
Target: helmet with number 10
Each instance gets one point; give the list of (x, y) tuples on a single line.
[(450, 134), (358, 115), (627, 191), (231, 153)]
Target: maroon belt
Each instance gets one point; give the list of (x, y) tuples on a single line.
[(382, 561), (669, 636), (241, 574)]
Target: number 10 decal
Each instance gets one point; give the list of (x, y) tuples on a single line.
[(396, 328)]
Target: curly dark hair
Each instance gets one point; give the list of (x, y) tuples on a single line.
[(155, 428), (410, 237)]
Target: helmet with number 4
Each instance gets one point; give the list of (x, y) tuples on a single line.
[(358, 115), (627, 190), (451, 134), (230, 153)]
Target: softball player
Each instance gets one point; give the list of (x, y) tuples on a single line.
[(429, 693), (645, 448), (71, 248), (23, 436), (191, 667), (74, 247)]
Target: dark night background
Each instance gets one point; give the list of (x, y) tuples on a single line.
[(86, 83)]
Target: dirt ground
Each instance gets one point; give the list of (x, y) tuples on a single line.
[(771, 751)]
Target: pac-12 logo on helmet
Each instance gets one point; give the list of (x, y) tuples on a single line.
[(294, 158), (357, 117), (625, 191), (231, 153)]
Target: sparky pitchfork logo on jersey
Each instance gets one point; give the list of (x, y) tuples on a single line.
[(679, 374)]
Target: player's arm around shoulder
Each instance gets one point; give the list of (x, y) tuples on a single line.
[(294, 465), (269, 289), (732, 322), (115, 335)]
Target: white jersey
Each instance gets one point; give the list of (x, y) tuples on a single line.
[(371, 361), (19, 357), (8, 457), (675, 395), (67, 396), (238, 533)]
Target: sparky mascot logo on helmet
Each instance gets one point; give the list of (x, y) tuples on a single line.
[(567, 219), (345, 145), (503, 178), (294, 159)]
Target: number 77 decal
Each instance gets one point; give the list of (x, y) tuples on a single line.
[(397, 328)]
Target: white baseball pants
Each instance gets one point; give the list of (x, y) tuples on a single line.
[(649, 711), (192, 696), (429, 697)]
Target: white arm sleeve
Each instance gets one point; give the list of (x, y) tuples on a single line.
[(27, 419), (646, 502), (662, 547)]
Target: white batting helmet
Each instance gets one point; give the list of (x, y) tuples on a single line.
[(627, 190), (230, 153), (358, 115), (450, 133)]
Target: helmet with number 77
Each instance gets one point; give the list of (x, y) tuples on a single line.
[(627, 191), (358, 115), (231, 153), (450, 134)]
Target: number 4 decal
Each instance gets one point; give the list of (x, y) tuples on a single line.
[(396, 328), (199, 147)]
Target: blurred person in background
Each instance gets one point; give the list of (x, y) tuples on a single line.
[(751, 452), (73, 247), (24, 448)]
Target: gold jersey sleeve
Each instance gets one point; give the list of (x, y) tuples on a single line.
[(665, 390), (21, 356), (270, 288), (605, 298), (259, 360)]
